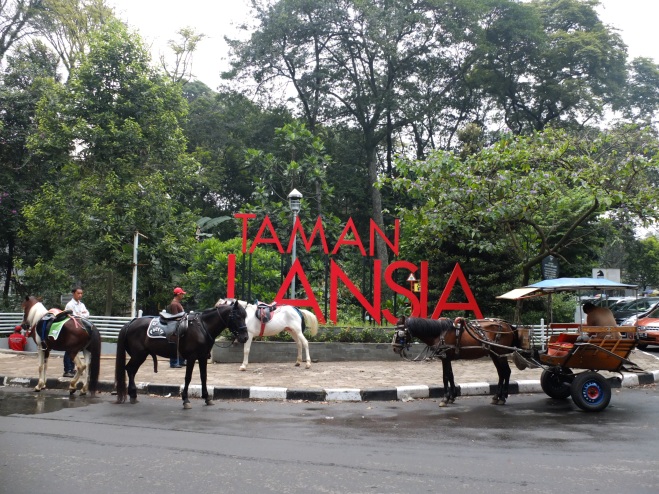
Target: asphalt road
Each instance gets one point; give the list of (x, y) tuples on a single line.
[(533, 444)]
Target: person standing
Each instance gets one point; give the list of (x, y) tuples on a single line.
[(176, 307), (78, 309), (17, 340)]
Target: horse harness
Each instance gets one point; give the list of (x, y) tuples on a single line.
[(473, 328)]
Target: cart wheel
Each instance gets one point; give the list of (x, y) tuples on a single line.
[(591, 392), (555, 385)]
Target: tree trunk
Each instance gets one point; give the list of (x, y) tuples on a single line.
[(376, 204)]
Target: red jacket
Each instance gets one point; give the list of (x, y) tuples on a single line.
[(17, 341)]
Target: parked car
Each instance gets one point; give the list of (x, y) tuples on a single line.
[(613, 303), (634, 308), (648, 328), (631, 320)]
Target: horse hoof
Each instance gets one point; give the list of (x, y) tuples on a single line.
[(133, 400), (72, 391), (308, 366), (210, 403), (187, 406), (37, 389), (297, 364), (442, 404), (243, 368)]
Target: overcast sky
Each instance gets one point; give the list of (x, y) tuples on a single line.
[(158, 20)]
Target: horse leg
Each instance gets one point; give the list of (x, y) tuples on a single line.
[(298, 343), (43, 360), (246, 348), (131, 369), (80, 368), (203, 363), (305, 344), (503, 370), (189, 366), (449, 383), (88, 358)]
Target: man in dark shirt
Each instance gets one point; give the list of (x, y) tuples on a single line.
[(175, 307)]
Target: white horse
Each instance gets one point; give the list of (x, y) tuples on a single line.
[(283, 318)]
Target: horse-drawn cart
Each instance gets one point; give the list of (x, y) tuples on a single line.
[(577, 347)]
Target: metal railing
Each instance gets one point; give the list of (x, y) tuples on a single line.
[(109, 327)]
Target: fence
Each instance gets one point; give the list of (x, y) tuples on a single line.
[(109, 327)]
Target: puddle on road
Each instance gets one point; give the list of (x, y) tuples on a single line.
[(20, 402)]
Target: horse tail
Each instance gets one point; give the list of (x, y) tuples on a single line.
[(311, 321), (120, 366), (95, 364)]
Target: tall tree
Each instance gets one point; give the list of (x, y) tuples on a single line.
[(360, 62), (183, 50), (67, 25), (114, 131), (550, 61), (30, 71), (15, 21)]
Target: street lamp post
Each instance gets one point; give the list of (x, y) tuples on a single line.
[(294, 199)]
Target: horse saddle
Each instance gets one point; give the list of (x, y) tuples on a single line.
[(264, 311), (51, 323), (169, 326)]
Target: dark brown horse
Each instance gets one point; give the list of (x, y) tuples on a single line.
[(194, 344), (461, 339), (75, 335)]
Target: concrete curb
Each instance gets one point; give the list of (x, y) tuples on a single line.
[(398, 393)]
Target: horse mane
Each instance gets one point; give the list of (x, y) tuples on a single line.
[(36, 312), (229, 301), (422, 328)]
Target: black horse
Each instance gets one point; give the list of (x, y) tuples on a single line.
[(461, 339), (195, 343)]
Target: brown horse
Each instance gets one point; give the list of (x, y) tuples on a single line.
[(75, 335), (461, 340), (195, 343)]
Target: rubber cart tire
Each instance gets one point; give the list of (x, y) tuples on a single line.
[(591, 392), (555, 385)]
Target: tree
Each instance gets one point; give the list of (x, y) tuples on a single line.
[(30, 72), (220, 128), (642, 91), (15, 18), (550, 61), (114, 133), (643, 263), (67, 25), (532, 196), (181, 70), (360, 62)]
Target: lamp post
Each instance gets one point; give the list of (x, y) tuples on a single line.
[(294, 199), (133, 298)]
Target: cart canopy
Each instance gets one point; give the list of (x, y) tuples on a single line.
[(564, 285)]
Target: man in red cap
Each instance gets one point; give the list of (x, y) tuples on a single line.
[(17, 340), (175, 307)]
